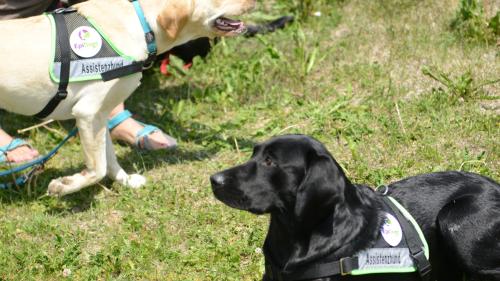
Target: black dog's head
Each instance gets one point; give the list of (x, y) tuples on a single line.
[(314, 208), (291, 174)]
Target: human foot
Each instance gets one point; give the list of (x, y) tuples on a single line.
[(15, 150), (147, 137)]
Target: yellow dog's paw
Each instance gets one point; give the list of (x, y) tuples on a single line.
[(66, 185), (59, 187), (135, 181), (55, 188)]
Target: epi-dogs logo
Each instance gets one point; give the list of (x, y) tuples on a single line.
[(391, 230), (85, 41)]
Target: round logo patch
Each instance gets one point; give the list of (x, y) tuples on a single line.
[(391, 230), (85, 41)]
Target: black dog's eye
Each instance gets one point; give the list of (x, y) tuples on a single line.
[(269, 162)]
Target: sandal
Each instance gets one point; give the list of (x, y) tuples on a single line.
[(142, 137), (15, 143)]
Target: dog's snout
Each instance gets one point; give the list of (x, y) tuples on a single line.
[(217, 180)]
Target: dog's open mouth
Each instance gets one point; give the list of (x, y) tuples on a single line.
[(228, 25)]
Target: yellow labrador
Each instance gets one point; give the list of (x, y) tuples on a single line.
[(25, 85)]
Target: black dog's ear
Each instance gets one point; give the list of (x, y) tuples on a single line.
[(322, 187)]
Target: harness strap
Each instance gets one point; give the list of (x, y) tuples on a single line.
[(63, 41), (148, 34), (341, 267), (123, 71), (413, 240), (151, 46)]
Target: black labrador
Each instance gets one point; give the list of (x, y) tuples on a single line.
[(317, 212)]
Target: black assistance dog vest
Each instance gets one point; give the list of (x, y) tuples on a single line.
[(82, 52), (92, 53), (400, 248)]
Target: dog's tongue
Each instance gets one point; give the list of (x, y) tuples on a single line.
[(226, 24)]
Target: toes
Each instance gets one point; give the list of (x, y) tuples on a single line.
[(66, 185), (132, 181), (34, 153), (55, 188), (162, 140), (66, 181), (22, 154), (136, 181), (157, 140)]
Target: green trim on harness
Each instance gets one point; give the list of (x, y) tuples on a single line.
[(383, 270), (415, 224), (413, 268), (105, 36), (101, 33), (52, 46)]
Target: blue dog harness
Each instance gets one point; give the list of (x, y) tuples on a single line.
[(82, 52), (401, 248)]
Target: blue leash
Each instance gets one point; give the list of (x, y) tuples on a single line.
[(34, 165)]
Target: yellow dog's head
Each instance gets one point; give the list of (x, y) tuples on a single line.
[(184, 20)]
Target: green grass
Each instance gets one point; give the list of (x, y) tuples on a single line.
[(472, 23), (357, 78)]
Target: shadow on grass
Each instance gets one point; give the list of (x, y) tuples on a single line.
[(209, 138), (194, 132), (36, 189)]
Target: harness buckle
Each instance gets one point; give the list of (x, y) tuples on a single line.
[(61, 94), (150, 37), (341, 263), (423, 266), (150, 60), (348, 264), (64, 10)]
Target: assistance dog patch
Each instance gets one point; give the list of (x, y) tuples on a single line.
[(385, 258), (85, 41)]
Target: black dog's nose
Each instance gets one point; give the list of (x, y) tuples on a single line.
[(217, 180)]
